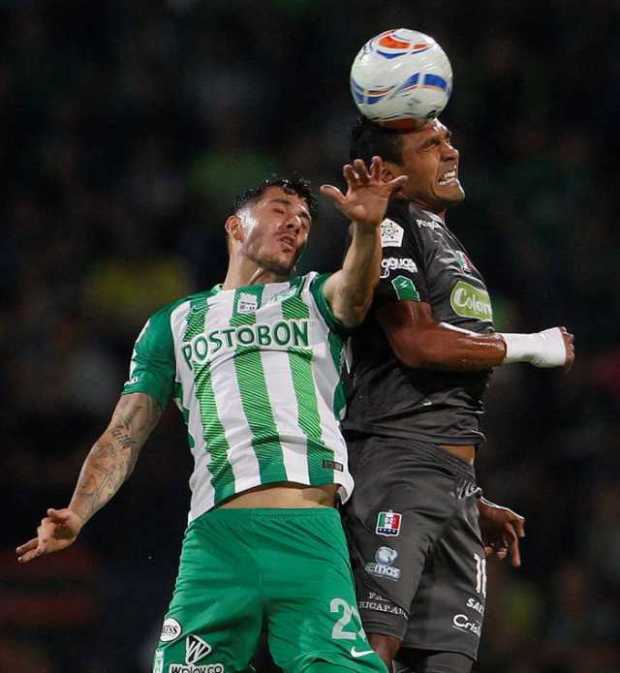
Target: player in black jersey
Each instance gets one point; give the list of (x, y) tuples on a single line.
[(421, 363)]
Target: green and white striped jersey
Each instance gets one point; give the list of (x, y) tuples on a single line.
[(255, 372)]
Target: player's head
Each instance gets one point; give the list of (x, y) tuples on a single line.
[(270, 223), (425, 155)]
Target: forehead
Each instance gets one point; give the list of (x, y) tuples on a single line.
[(414, 139), (285, 198)]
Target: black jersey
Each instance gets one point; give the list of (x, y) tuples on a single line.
[(422, 261)]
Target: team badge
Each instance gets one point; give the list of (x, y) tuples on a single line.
[(388, 523)]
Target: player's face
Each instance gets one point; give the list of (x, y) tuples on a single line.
[(432, 166), (275, 230)]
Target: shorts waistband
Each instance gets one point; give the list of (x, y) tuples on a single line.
[(435, 453), (245, 513)]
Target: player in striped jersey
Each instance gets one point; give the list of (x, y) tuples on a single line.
[(254, 366)]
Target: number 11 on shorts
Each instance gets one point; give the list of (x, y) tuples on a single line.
[(481, 575)]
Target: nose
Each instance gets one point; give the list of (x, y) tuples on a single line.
[(293, 223), (450, 152)]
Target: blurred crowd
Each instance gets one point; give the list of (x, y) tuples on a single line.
[(127, 129)]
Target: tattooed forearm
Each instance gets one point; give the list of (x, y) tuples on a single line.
[(113, 456)]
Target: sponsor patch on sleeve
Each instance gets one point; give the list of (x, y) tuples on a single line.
[(405, 289), (391, 234)]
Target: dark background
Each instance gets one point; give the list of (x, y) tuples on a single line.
[(127, 128)]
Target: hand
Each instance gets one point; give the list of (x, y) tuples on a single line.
[(367, 194), (569, 344), (501, 531), (58, 530)]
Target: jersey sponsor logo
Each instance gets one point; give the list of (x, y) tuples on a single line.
[(158, 661), (378, 603), (333, 465), (471, 302), (247, 303), (389, 264), (382, 566), (462, 623), (388, 523), (196, 649), (391, 234), (194, 668), (405, 289), (284, 333), (473, 604), (429, 224), (170, 630)]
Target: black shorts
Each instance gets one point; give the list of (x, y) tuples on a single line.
[(416, 550)]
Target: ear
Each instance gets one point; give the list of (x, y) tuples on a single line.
[(234, 228)]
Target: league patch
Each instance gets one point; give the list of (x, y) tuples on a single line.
[(170, 630), (388, 523), (405, 289), (382, 565), (391, 234)]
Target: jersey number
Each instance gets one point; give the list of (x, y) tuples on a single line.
[(348, 612), (481, 575)]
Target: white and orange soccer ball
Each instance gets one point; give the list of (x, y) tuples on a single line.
[(401, 76)]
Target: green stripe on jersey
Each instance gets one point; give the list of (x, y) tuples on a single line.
[(222, 477), (300, 362), (253, 388), (336, 347)]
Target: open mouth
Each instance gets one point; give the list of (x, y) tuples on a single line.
[(448, 178), (288, 242)]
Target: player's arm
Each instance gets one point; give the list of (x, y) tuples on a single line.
[(349, 291), (418, 340), (108, 465)]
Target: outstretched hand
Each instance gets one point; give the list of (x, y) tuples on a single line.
[(57, 530), (501, 530), (367, 194)]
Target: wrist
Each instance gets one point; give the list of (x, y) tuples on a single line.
[(542, 349)]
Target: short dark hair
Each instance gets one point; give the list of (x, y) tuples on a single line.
[(369, 139), (293, 185)]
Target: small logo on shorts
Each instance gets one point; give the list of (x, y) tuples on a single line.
[(382, 566), (158, 662), (170, 631), (196, 649), (388, 523)]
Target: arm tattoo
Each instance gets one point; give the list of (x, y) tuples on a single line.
[(113, 456)]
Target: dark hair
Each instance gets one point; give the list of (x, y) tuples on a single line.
[(293, 185), (369, 139)]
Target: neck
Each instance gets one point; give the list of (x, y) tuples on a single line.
[(244, 271)]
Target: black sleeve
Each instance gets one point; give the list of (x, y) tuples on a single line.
[(402, 272)]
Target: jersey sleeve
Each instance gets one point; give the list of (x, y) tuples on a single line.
[(316, 288), (152, 369), (402, 273)]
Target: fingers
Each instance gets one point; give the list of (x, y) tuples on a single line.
[(397, 183), (28, 551), (519, 524), (512, 539), (333, 193)]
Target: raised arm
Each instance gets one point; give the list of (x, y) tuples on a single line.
[(109, 463), (418, 340), (349, 291)]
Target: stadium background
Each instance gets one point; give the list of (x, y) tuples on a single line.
[(127, 127)]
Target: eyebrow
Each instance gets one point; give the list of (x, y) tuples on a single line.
[(288, 202)]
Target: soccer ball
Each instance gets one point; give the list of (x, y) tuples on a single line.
[(399, 77)]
